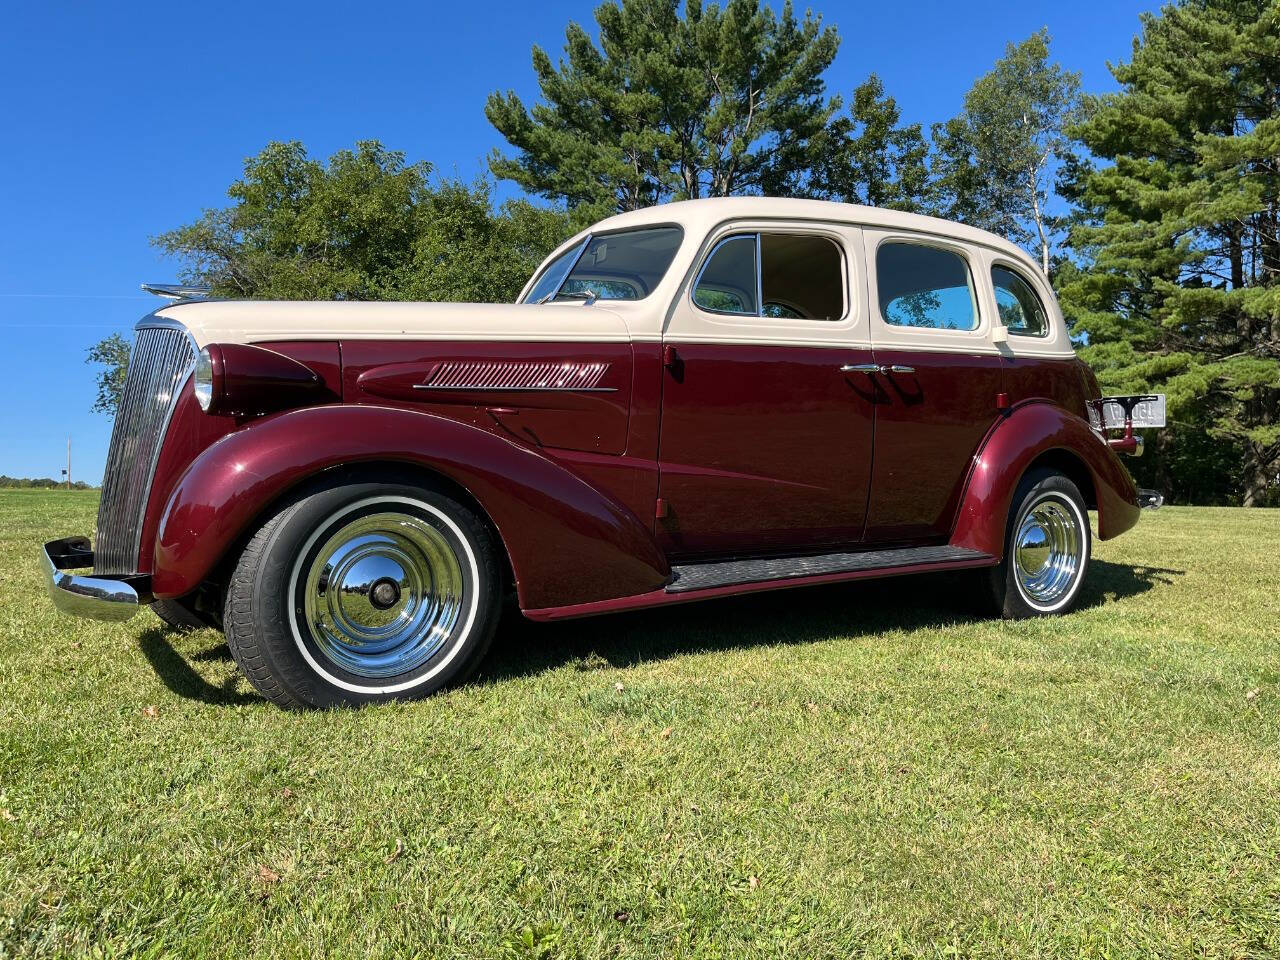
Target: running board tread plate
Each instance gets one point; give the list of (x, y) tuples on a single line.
[(727, 573)]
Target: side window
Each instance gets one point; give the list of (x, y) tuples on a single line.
[(802, 277), (1019, 305), (727, 283), (799, 277), (923, 286)]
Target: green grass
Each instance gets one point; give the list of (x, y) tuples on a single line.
[(868, 770)]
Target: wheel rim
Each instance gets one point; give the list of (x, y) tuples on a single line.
[(383, 594), (1048, 551)]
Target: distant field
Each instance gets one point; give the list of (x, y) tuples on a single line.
[(867, 770)]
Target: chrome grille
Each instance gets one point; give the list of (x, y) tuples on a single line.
[(163, 356)]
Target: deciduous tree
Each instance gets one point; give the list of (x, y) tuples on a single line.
[(363, 226), (996, 161), (112, 356)]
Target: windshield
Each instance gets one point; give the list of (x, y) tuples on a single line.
[(612, 266)]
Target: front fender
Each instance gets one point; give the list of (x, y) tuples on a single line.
[(1014, 443), (567, 541)]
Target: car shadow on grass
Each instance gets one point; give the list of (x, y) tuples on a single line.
[(182, 678), (803, 615)]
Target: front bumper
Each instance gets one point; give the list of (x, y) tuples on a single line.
[(98, 598)]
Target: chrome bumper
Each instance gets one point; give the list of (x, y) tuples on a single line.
[(98, 598)]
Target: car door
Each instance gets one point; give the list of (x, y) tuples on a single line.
[(939, 378), (766, 430)]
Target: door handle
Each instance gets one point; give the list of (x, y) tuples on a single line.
[(879, 368)]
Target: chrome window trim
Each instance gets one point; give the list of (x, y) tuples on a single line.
[(533, 284), (154, 322), (759, 276)]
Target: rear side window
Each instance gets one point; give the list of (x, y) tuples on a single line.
[(1020, 307), (923, 286), (793, 276)]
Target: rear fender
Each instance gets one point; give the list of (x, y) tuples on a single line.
[(1032, 431), (567, 542)]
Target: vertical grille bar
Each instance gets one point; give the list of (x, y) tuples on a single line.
[(163, 357)]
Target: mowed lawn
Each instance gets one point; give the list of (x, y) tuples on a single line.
[(865, 770)]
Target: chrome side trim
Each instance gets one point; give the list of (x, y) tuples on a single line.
[(434, 386), (517, 375), (97, 598)]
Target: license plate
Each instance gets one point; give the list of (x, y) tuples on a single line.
[(1147, 411)]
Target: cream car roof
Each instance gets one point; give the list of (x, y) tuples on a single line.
[(259, 321), (696, 216)]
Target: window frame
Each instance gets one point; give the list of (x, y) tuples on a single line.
[(757, 234), (956, 250), (582, 248), (1005, 264)]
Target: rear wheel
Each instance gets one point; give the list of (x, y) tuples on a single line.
[(363, 592), (1047, 545)]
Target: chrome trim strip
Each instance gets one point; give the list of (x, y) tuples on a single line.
[(97, 598), (497, 389), (759, 275), (517, 375)]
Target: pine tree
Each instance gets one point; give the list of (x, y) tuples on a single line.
[(1179, 232), (873, 159), (720, 101)]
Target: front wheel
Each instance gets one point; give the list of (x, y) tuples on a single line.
[(362, 592), (1047, 546)]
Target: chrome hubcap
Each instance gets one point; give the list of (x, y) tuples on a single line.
[(1048, 551), (383, 594)]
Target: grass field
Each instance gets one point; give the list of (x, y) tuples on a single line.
[(868, 770)]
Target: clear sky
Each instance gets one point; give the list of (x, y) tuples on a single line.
[(119, 121)]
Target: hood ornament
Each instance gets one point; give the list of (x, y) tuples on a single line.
[(176, 291)]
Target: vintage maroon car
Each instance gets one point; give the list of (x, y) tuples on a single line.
[(691, 401)]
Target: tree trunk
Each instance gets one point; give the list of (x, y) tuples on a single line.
[(1258, 475)]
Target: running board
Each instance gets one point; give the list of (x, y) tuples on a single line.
[(728, 573)]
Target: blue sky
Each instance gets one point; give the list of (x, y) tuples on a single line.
[(120, 121)]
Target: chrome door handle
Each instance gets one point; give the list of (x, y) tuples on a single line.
[(896, 368), (862, 368)]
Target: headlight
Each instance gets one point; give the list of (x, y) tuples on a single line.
[(205, 379)]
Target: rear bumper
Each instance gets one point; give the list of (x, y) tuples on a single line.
[(98, 598), (1150, 499)]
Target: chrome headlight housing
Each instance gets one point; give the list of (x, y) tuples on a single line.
[(204, 380)]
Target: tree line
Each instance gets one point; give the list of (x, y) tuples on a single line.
[(1155, 210)]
